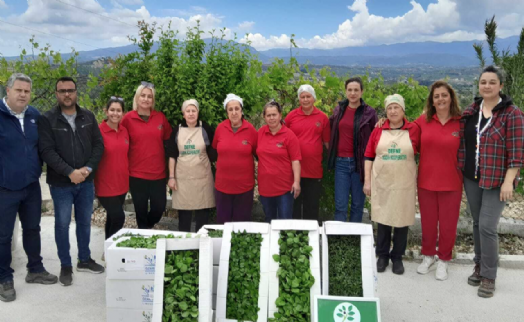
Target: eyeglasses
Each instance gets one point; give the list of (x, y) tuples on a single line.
[(116, 98), (147, 85), (68, 91)]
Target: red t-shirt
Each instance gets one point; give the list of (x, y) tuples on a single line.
[(414, 136), (311, 131), (439, 144), (112, 175), (146, 150), (345, 134), (275, 153), (235, 165)]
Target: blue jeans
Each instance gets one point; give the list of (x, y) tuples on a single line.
[(347, 181), (279, 207), (81, 196), (27, 203)]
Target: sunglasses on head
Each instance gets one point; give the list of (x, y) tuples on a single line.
[(147, 84), (116, 98)]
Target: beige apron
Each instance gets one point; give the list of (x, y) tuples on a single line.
[(193, 172), (393, 180)]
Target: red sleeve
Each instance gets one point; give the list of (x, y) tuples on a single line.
[(293, 147), (414, 135), (167, 129), (125, 120), (326, 133), (371, 148), (215, 138)]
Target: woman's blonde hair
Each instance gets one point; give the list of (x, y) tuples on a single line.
[(139, 92)]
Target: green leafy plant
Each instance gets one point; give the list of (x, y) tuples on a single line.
[(244, 277), (345, 268), (145, 242), (181, 286), (215, 233), (294, 277)]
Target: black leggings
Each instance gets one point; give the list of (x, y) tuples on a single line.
[(185, 218), (115, 213), (400, 242), (307, 204), (149, 198)]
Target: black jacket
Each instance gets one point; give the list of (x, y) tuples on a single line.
[(64, 150)]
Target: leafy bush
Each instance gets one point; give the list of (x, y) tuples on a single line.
[(294, 277), (181, 286), (215, 233), (243, 277), (144, 242), (345, 268)]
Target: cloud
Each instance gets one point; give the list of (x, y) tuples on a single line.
[(2, 4), (444, 20), (88, 23), (246, 26)]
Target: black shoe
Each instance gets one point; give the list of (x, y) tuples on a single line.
[(41, 278), (90, 266), (398, 267), (66, 276), (475, 278), (382, 263), (7, 291)]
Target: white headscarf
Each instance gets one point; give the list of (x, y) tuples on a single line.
[(307, 88), (232, 97), (190, 102)]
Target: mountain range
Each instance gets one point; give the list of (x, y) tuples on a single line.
[(429, 53)]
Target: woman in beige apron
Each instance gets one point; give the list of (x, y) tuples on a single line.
[(190, 177), (390, 180)]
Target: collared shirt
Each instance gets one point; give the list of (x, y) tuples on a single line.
[(20, 116)]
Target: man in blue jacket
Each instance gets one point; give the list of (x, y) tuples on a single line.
[(20, 169)]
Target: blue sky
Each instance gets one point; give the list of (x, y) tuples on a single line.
[(269, 24)]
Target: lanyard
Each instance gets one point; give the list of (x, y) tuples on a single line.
[(480, 131)]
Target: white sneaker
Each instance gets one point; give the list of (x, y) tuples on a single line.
[(427, 261), (442, 270)]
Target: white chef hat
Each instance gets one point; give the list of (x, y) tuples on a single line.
[(232, 97)]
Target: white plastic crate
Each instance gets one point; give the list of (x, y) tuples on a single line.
[(314, 261), (367, 253), (205, 269), (130, 294), (263, 289), (128, 315), (217, 242), (143, 232)]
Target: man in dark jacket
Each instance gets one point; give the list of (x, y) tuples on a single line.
[(71, 145), (20, 169)]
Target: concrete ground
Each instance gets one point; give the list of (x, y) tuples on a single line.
[(407, 298)]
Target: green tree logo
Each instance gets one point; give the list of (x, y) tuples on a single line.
[(345, 312)]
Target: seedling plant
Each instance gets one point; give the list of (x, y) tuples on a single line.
[(345, 268)]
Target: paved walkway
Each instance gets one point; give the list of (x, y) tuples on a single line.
[(407, 298)]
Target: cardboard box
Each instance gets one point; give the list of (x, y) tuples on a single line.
[(263, 289), (314, 261), (369, 270), (217, 242), (134, 263), (205, 269), (127, 315), (130, 294)]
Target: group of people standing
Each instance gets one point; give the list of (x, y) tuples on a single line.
[(139, 152)]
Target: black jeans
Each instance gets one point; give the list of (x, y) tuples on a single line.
[(185, 217), (400, 242), (307, 204), (27, 203), (144, 192), (116, 217)]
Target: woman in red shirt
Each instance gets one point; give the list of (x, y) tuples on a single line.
[(311, 126), (236, 142), (112, 176), (279, 158), (439, 180), (390, 180), (148, 130)]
